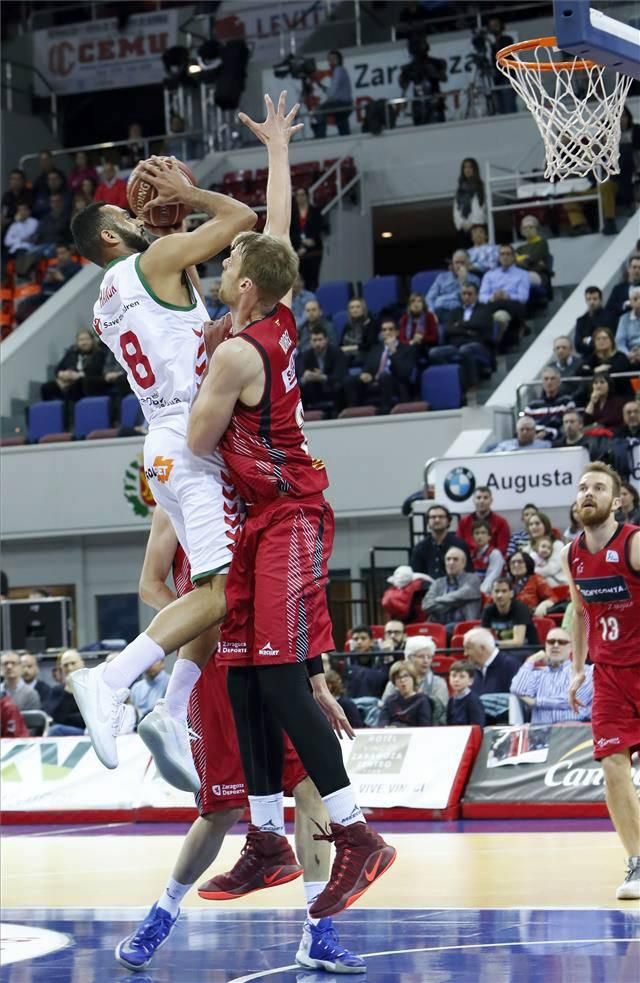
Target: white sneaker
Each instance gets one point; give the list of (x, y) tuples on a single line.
[(168, 741), (629, 890), (102, 709)]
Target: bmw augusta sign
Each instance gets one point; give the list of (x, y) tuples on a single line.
[(459, 484)]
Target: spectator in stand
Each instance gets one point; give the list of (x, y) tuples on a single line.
[(506, 291), (629, 510), (604, 408), (403, 599), (17, 194), (306, 236), (184, 148), (507, 618), (321, 370), (566, 361), (59, 272), (112, 189), (443, 296), (365, 681), (464, 707), (524, 440), (215, 307), (150, 688), (78, 203), (469, 206), (82, 361), (54, 227), (528, 587), (521, 536), (12, 723), (547, 411), (618, 301), (596, 316), (418, 326), (336, 688), (56, 185), (630, 428), (88, 190), (40, 187), (134, 152), (419, 651), (628, 332), (428, 555), (394, 636), (31, 675), (82, 169), (500, 532), (300, 296), (503, 94), (543, 681), (468, 336), (621, 188), (539, 526), (114, 381), (494, 671), (24, 697), (407, 707), (313, 318), (61, 705), (456, 596), (387, 373), (360, 334), (487, 560), (533, 254), (338, 102), (606, 358), (483, 255), (20, 238), (548, 563), (573, 434), (574, 528)]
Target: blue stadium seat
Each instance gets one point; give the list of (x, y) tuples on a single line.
[(333, 296), (440, 387), (339, 323), (45, 418), (90, 413), (130, 412), (379, 292), (420, 282)]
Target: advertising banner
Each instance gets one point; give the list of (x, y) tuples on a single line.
[(548, 477), (634, 473), (537, 764), (268, 28), (92, 55)]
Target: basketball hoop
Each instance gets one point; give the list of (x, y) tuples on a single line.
[(576, 104)]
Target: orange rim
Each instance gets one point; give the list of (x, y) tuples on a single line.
[(503, 59)]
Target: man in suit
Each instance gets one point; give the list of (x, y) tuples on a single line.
[(31, 676), (469, 337), (321, 370), (387, 373), (494, 672)]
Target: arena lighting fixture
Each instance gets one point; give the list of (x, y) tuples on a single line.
[(386, 235)]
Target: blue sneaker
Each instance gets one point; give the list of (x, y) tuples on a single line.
[(320, 949), (138, 949)]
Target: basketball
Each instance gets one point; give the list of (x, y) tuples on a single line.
[(140, 191)]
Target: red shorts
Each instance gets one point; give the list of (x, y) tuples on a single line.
[(615, 714), (216, 752), (277, 586)]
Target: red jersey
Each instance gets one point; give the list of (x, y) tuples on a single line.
[(181, 572), (610, 592), (264, 447)]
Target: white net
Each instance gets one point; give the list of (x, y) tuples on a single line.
[(577, 110)]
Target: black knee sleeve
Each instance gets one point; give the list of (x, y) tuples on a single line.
[(259, 734)]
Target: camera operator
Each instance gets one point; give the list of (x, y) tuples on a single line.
[(504, 96), (338, 101), (425, 74)]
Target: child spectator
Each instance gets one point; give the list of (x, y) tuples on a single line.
[(548, 563), (464, 706), (487, 560), (407, 707)]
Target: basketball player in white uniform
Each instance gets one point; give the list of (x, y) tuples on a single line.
[(151, 317)]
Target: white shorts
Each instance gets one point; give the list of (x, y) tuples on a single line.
[(198, 497)]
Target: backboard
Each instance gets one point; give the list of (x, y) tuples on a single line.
[(586, 30)]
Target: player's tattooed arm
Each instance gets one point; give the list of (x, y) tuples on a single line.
[(158, 558)]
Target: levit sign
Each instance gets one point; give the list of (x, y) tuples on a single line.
[(546, 477)]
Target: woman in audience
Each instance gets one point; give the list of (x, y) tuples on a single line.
[(574, 528), (306, 236), (406, 707), (521, 536), (629, 510), (82, 171), (533, 254), (469, 206), (81, 364), (528, 586), (418, 326), (604, 408), (607, 358), (545, 549)]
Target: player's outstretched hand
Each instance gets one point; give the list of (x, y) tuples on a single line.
[(330, 707), (169, 181), (215, 332), (277, 125), (577, 680)]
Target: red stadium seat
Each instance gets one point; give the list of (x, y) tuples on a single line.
[(56, 438), (437, 632), (12, 441), (457, 642), (354, 411), (441, 664), (543, 627), (103, 434), (418, 407), (311, 416), (463, 626)]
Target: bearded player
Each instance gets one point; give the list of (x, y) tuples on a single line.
[(222, 798), (603, 571), (278, 622)]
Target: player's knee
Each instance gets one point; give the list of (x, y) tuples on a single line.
[(210, 592)]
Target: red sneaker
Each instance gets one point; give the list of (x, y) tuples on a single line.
[(362, 856), (266, 861)]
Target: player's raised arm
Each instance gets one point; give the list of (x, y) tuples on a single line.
[(158, 557), (175, 253)]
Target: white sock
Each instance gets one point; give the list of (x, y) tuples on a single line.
[(184, 676), (267, 812), (311, 891), (342, 807), (141, 653), (172, 895)]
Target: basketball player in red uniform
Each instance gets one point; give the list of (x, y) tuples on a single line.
[(278, 622), (222, 798), (603, 571)]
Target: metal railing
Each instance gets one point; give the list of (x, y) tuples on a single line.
[(114, 144), (521, 400)]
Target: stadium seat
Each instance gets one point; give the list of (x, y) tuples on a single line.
[(441, 664), (102, 434), (354, 411), (457, 641), (333, 296), (380, 292), (12, 441), (437, 632), (463, 626), (420, 282), (543, 627), (339, 322), (45, 418), (90, 413), (56, 438), (312, 416), (418, 407), (130, 412), (440, 387)]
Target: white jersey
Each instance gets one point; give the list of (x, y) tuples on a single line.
[(159, 345)]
